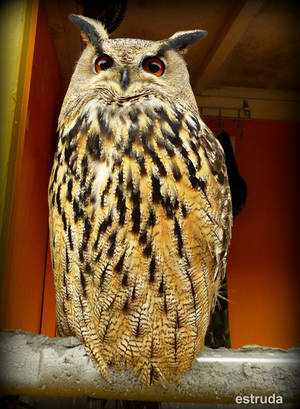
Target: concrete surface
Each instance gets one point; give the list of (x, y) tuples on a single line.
[(59, 367)]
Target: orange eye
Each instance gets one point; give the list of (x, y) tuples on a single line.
[(154, 65), (103, 63)]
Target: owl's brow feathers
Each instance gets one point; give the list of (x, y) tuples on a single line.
[(181, 40), (177, 42), (89, 30)]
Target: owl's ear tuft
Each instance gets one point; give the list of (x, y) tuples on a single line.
[(180, 40), (91, 30)]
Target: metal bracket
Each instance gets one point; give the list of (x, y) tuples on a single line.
[(217, 112)]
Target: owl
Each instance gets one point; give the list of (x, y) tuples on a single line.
[(139, 207)]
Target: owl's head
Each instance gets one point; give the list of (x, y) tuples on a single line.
[(123, 70)]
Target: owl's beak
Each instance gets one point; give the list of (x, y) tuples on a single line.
[(125, 78)]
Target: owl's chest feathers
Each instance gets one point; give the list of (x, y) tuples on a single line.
[(137, 171), (152, 152)]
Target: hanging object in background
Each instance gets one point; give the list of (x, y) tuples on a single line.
[(109, 12), (238, 186)]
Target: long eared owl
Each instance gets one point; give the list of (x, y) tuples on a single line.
[(140, 208)]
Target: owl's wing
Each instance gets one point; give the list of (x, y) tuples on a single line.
[(218, 193)]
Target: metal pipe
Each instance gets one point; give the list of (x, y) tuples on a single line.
[(41, 366)]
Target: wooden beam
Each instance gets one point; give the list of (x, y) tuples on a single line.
[(229, 36), (18, 22), (65, 35)]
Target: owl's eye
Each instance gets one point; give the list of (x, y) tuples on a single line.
[(154, 65), (103, 63)]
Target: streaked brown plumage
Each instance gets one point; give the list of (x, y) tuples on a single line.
[(140, 209)]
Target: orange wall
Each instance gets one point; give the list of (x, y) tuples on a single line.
[(24, 279), (263, 267)]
